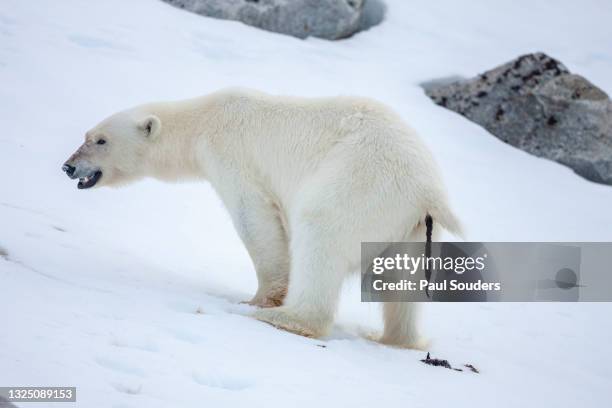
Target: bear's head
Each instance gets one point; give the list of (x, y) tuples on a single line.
[(116, 151)]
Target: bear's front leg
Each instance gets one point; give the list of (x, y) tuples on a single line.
[(317, 273), (259, 224)]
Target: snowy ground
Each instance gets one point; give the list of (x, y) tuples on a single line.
[(132, 295)]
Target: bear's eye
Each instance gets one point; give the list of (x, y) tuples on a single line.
[(101, 141)]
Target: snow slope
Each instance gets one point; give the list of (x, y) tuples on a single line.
[(132, 294)]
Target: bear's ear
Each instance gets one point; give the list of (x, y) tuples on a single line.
[(150, 126)]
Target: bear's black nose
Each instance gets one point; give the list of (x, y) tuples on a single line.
[(68, 169)]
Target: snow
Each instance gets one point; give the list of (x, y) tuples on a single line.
[(132, 295)]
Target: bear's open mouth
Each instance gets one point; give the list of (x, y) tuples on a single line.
[(89, 181)]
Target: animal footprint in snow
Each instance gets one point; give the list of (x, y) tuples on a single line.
[(222, 382), (187, 336), (128, 389), (119, 366)]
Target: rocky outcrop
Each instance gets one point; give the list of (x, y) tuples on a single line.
[(535, 103), (329, 19)]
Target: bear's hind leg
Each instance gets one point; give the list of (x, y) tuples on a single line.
[(401, 328), (401, 318)]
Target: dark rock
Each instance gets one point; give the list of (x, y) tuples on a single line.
[(436, 362), (535, 103), (329, 19)]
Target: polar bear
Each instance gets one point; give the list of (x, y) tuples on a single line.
[(305, 180)]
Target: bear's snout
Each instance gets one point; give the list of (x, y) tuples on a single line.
[(88, 176), (69, 170)]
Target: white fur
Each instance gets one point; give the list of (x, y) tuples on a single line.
[(305, 181)]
